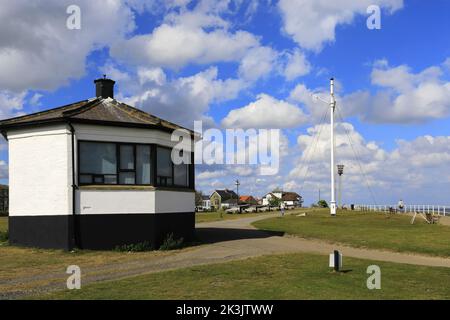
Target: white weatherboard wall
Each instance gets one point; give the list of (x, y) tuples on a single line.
[(134, 201), (40, 171), (172, 201), (119, 134)]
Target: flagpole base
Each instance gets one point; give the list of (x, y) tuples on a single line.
[(333, 208)]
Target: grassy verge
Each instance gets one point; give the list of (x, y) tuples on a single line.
[(17, 261), (294, 276), (371, 230)]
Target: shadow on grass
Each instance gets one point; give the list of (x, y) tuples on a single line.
[(214, 235)]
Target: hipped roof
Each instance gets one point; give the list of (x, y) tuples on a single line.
[(96, 111)]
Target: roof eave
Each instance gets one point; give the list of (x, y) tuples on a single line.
[(6, 127)]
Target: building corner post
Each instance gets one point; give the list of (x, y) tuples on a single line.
[(72, 221)]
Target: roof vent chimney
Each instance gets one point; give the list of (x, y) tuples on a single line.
[(104, 88)]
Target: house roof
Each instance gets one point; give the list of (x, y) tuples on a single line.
[(205, 198), (226, 194), (290, 196), (246, 198), (105, 111), (286, 196)]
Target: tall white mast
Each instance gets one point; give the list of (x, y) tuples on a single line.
[(333, 189)]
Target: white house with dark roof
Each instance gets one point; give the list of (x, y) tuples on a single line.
[(288, 199), (96, 174)]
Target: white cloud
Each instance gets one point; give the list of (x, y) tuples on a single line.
[(38, 51), (446, 64), (257, 63), (265, 112), (198, 35), (415, 171), (3, 170), (404, 97), (35, 100), (296, 66), (210, 174), (11, 104), (175, 46), (184, 99), (312, 23)]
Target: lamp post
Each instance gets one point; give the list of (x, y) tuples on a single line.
[(340, 168), (237, 183)]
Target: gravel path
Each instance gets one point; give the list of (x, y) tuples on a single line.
[(222, 241)]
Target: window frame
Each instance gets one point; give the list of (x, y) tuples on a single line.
[(119, 164), (153, 167)]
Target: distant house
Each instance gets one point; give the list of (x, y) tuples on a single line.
[(4, 201), (223, 199), (206, 203), (290, 199), (247, 200)]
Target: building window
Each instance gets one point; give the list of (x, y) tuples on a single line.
[(97, 160), (164, 167), (129, 164), (127, 168), (143, 164), (126, 157), (181, 173)]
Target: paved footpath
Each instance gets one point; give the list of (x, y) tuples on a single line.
[(223, 241)]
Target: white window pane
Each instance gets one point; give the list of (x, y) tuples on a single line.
[(126, 178), (126, 157), (164, 162), (143, 167), (98, 158)]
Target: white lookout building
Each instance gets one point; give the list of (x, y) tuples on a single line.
[(96, 174)]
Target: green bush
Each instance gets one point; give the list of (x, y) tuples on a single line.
[(135, 247), (322, 204), (170, 243), (4, 236)]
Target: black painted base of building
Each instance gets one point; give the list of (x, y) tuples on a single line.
[(99, 231)]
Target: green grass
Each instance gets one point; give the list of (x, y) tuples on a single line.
[(293, 276), (371, 230)]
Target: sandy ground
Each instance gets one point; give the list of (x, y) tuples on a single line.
[(222, 241)]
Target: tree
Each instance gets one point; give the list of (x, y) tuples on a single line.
[(274, 202), (322, 204), (198, 198)]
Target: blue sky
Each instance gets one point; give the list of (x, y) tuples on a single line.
[(393, 84)]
